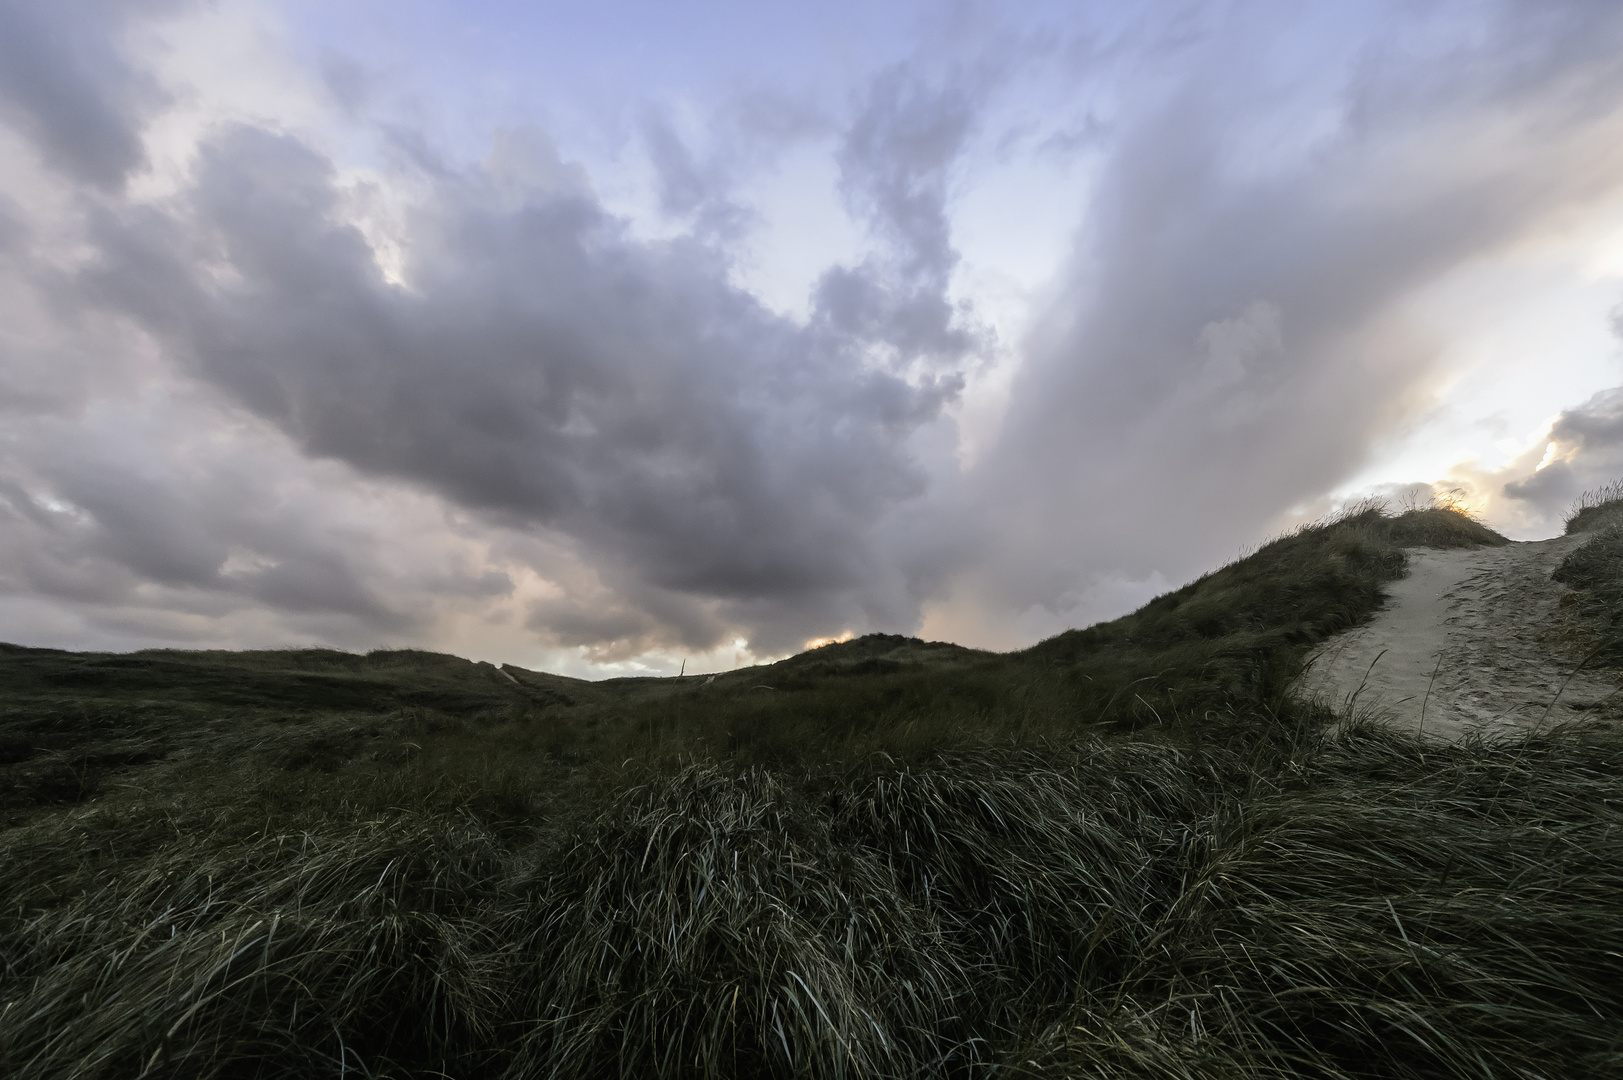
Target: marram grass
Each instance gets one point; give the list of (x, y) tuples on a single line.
[(1127, 852), (1407, 912), (1368, 907)]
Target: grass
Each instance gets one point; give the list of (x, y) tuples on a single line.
[(1129, 851), (1594, 571), (1596, 509), (1405, 912)]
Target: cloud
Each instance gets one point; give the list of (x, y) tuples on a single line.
[(94, 511), (1531, 496), (317, 390), (1234, 334), (539, 366), (895, 164), (691, 189), (65, 80)]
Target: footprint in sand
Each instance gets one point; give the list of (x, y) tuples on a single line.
[(1461, 645)]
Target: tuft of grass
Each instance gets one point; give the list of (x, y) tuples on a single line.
[(1224, 646), (1127, 852), (1365, 905), (309, 953), (706, 923), (1405, 912), (1596, 509), (1597, 565), (1594, 571), (1235, 640)]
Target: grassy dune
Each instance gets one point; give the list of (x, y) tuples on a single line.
[(1129, 851)]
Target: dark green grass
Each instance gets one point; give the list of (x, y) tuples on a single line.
[(1235, 640), (1126, 852), (1405, 912), (1368, 906), (1594, 572), (1225, 645)]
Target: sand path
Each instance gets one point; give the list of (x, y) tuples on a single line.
[(1465, 639)]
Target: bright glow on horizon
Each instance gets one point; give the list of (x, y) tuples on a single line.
[(818, 643)]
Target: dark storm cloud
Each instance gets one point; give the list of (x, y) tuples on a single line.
[(539, 366), (63, 78), (1231, 338), (670, 462), (1550, 490), (1588, 454), (1593, 428), (630, 617), (79, 523)]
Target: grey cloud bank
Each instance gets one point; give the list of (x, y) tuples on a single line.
[(65, 82), (1234, 332), (238, 411)]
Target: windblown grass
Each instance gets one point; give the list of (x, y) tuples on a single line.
[(1406, 912), (1595, 573), (1226, 645), (710, 923), (1596, 509), (1235, 640), (1369, 906), (1128, 852)]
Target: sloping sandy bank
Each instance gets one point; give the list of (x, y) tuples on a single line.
[(1465, 640)]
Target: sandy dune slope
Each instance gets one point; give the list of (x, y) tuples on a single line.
[(1465, 642)]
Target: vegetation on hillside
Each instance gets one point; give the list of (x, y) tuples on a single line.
[(1126, 852), (1597, 509), (1595, 574)]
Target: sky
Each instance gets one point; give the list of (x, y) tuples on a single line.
[(611, 338)]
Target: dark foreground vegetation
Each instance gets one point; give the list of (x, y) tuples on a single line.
[(1129, 851)]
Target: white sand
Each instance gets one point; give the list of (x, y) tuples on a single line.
[(1465, 639)]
